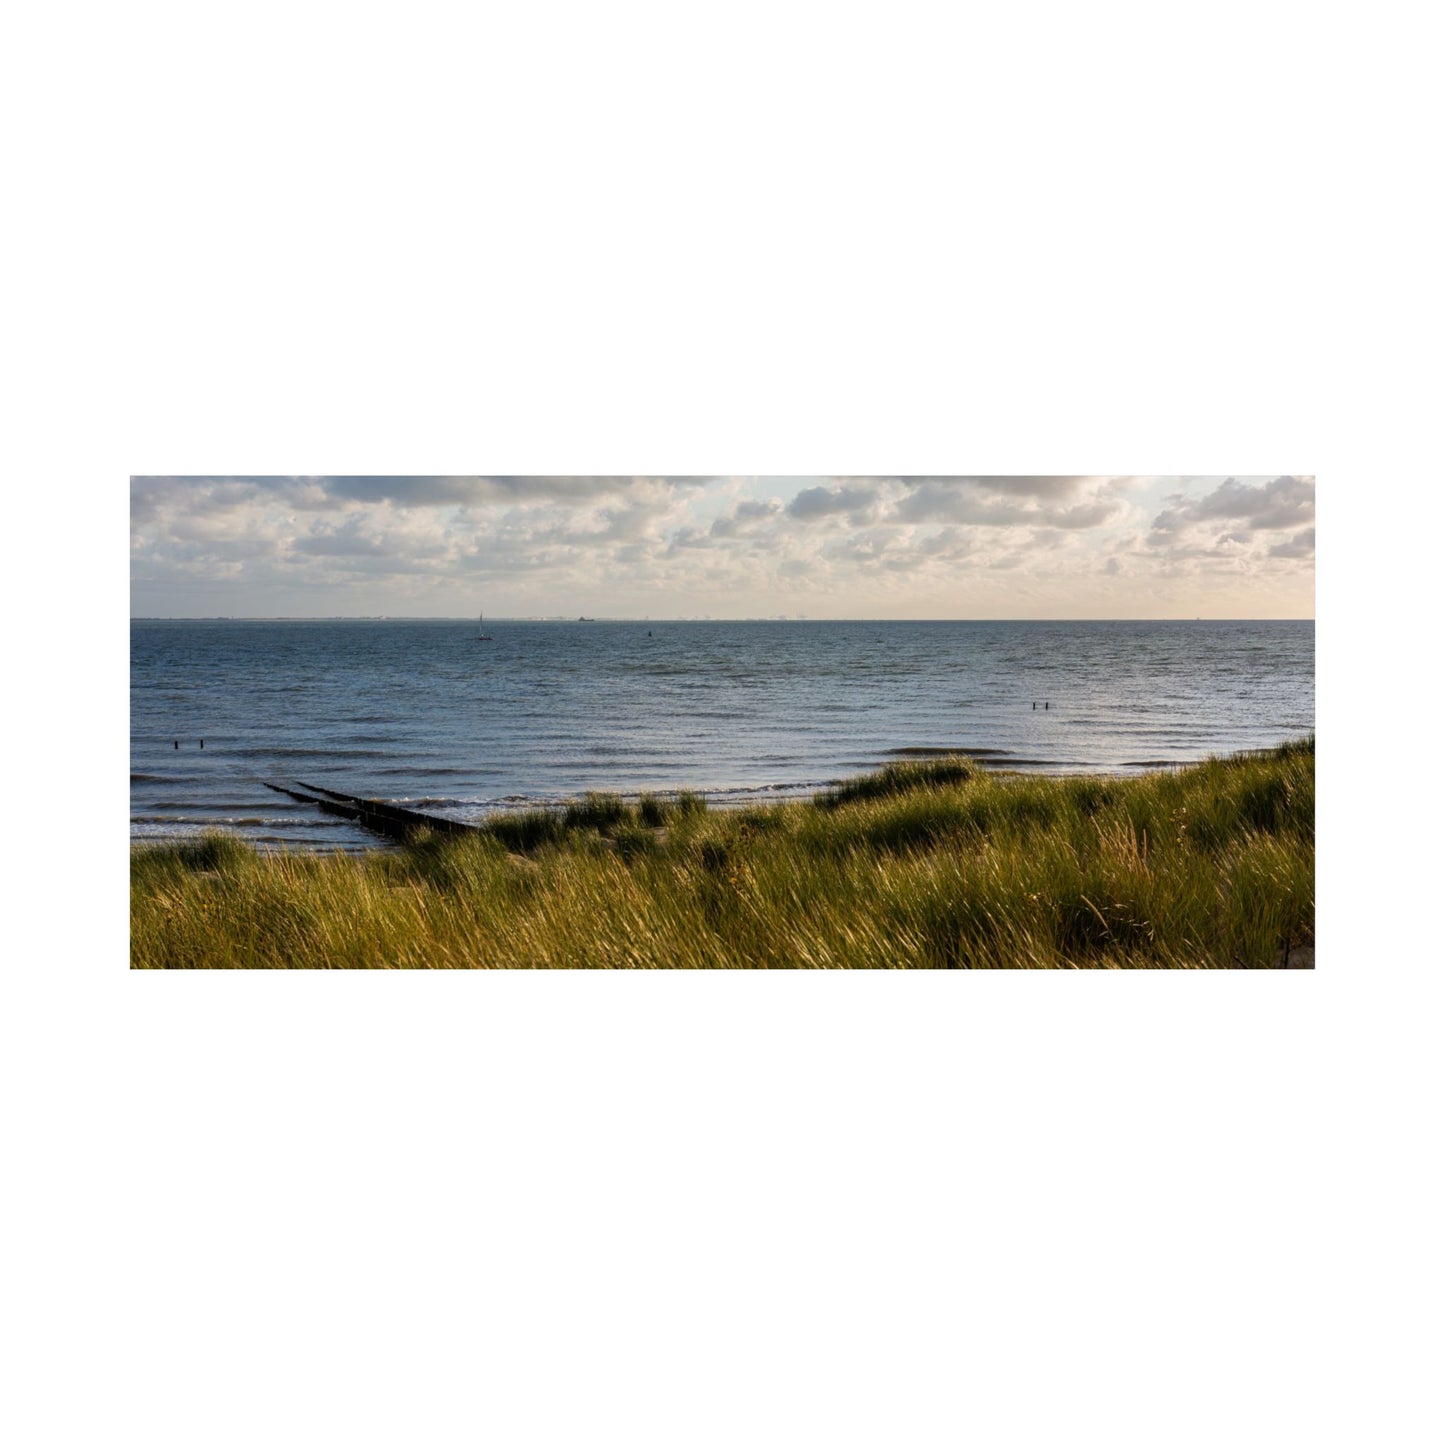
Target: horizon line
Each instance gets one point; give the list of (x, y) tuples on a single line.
[(557, 617)]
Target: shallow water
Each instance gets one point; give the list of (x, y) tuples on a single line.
[(421, 712)]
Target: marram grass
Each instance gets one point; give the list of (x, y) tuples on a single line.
[(923, 865)]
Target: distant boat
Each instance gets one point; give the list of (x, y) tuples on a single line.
[(482, 631)]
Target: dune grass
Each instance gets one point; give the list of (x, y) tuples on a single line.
[(922, 865)]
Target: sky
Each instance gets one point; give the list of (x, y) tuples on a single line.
[(727, 547)]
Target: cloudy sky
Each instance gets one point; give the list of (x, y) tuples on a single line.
[(662, 547)]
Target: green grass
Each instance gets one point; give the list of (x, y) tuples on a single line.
[(894, 779), (921, 865)]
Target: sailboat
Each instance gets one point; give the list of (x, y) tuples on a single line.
[(481, 631)]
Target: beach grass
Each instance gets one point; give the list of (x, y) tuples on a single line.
[(937, 864)]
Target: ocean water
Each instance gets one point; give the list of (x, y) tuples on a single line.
[(422, 713)]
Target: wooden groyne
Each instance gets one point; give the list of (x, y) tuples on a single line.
[(384, 818)]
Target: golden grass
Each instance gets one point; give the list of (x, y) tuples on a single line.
[(925, 867)]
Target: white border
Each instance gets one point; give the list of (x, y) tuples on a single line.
[(710, 1208)]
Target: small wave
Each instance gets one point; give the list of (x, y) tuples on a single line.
[(430, 770), (164, 808), (947, 752), (191, 825), (341, 752)]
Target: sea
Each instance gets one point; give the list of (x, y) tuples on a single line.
[(423, 713)]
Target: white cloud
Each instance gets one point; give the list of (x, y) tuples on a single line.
[(1300, 544), (919, 546), (854, 502), (1283, 503)]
